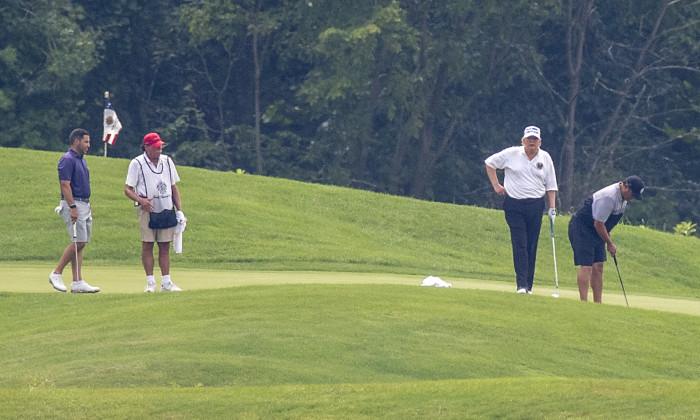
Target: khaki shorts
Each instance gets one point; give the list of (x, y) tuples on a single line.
[(153, 235)]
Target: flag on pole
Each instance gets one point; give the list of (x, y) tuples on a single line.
[(112, 126)]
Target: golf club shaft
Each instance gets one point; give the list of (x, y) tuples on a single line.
[(554, 255), (75, 246), (620, 277)]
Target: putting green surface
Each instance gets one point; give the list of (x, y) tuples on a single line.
[(26, 278)]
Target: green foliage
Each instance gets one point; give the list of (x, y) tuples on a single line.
[(686, 228), (655, 211), (204, 154), (46, 55), (221, 20), (397, 96), (349, 58)]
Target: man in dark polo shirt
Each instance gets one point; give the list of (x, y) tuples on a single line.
[(589, 232), (74, 178)]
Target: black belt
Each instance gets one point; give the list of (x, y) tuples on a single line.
[(524, 200), (84, 200)]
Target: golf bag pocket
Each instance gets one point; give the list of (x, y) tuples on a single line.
[(163, 220)]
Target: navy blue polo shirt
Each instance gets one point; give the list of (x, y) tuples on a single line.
[(72, 167)]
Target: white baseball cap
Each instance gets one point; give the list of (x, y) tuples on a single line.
[(532, 131)]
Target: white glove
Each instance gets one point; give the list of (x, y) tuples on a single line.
[(552, 213), (58, 209)]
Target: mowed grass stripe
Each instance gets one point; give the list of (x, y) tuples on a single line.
[(509, 398), (311, 334)]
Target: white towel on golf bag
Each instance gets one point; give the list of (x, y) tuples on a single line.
[(181, 224), (432, 281)]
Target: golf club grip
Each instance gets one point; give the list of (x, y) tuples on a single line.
[(551, 227), (75, 230)]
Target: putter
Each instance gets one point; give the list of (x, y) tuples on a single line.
[(623, 286), (554, 254)]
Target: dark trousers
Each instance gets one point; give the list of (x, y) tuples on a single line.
[(524, 218)]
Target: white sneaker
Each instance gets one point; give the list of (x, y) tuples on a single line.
[(522, 290), (529, 292), (56, 281), (169, 287), (150, 287), (82, 287)]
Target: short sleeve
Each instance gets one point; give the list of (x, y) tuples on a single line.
[(498, 160), (551, 181), (602, 208), (174, 177), (65, 169), (132, 175)]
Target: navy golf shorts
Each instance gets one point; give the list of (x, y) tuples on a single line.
[(588, 247)]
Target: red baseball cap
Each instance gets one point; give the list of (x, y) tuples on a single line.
[(153, 139)]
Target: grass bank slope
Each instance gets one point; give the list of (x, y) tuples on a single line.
[(245, 222)]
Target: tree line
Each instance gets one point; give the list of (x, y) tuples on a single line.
[(404, 97)]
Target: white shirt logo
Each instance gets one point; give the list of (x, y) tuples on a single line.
[(162, 189)]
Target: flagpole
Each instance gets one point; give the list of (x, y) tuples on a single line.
[(107, 106)]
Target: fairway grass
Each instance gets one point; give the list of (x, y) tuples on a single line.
[(304, 301), (342, 351), (508, 398)]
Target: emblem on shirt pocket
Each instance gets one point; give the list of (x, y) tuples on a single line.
[(539, 165)]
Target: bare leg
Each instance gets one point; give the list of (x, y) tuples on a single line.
[(597, 282), (68, 256), (163, 258), (147, 257), (584, 281)]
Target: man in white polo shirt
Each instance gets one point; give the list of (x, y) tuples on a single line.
[(589, 232), (151, 183), (529, 176)]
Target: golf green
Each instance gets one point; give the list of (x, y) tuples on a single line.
[(26, 278)]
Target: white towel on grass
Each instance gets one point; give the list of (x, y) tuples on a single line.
[(432, 281)]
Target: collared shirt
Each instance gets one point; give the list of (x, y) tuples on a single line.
[(607, 202), (525, 178), (605, 205), (72, 167)]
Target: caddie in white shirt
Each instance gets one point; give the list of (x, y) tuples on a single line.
[(150, 183), (528, 176)]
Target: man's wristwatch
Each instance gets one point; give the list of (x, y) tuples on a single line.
[(73, 206)]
